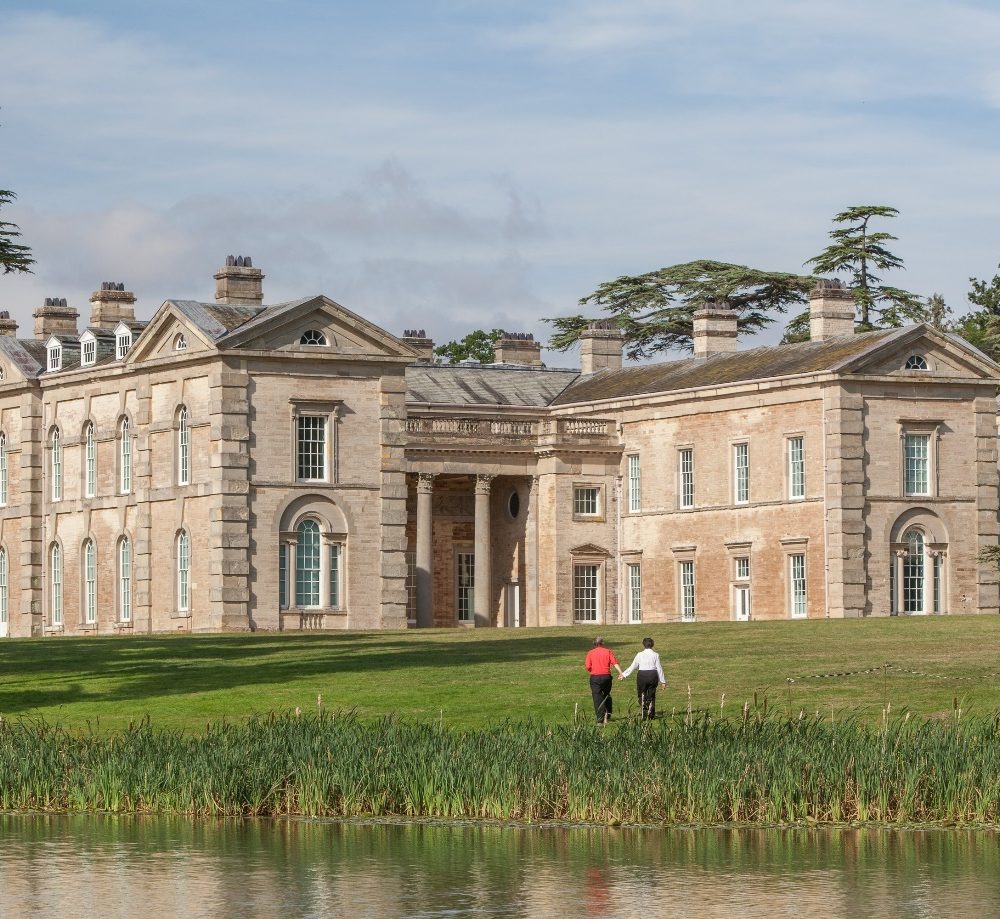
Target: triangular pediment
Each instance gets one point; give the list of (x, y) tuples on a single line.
[(317, 326), (170, 333), (589, 548), (923, 352)]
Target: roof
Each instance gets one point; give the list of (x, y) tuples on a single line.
[(485, 384), (720, 369), (217, 319)]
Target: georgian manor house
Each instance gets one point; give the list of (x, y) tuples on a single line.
[(232, 466)]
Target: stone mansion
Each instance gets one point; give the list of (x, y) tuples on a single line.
[(233, 466)]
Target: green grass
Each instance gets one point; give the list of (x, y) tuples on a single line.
[(477, 678)]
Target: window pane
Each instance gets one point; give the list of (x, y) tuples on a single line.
[(796, 468), (56, 599), (635, 593), (90, 575), (585, 593), (585, 501), (283, 575), (183, 571), (183, 448), (687, 478), (312, 447), (742, 569), (634, 484), (56, 466), (913, 573), (917, 452), (125, 458), (687, 590), (91, 462), (797, 577), (741, 469), (335, 555), (307, 564), (125, 580), (3, 469), (466, 584)]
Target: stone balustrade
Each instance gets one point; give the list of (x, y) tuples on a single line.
[(507, 430)]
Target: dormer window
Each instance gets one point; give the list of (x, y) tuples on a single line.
[(180, 343), (123, 341), (88, 350), (55, 354), (312, 337), (916, 362)]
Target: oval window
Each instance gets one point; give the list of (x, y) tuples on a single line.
[(514, 505)]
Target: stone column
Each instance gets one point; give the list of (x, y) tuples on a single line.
[(483, 574), (928, 580), (425, 550), (899, 560)]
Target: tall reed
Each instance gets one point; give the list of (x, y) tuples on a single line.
[(691, 769)]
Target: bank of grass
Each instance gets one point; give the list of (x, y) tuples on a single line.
[(688, 769), (465, 678)]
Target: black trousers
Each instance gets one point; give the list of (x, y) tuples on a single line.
[(600, 689), (646, 682)]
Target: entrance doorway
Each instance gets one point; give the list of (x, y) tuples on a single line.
[(741, 602)]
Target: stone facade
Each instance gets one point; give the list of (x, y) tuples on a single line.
[(235, 466)]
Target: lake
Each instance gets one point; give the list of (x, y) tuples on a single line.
[(139, 868)]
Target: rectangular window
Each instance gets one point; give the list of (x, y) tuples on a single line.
[(686, 572), (634, 593), (90, 599), (685, 492), (741, 473), (796, 468), (797, 584), (125, 580), (283, 575), (56, 467), (55, 358), (585, 593), (89, 355), (742, 569), (634, 484), (56, 584), (312, 447), (411, 585), (125, 459), (336, 555), (90, 485), (916, 463), (466, 585), (3, 469), (123, 343), (586, 501)]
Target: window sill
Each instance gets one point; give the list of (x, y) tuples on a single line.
[(180, 614), (54, 630), (588, 518), (87, 627)]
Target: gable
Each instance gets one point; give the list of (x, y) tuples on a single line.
[(19, 362), (944, 356), (158, 338)]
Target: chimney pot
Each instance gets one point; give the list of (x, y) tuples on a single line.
[(55, 317), (111, 304), (518, 348), (424, 346), (239, 283)]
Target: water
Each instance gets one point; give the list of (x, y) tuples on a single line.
[(141, 868)]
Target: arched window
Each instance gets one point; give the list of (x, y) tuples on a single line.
[(183, 571), (183, 447), (3, 469), (125, 457), (913, 572), (124, 580), (4, 596), (312, 337), (307, 564), (55, 585), (89, 582), (180, 342), (90, 462), (56, 466), (915, 362)]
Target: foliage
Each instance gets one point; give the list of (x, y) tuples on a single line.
[(939, 313), (797, 329), (477, 345), (981, 327), (655, 311), (751, 767), (860, 252), (14, 256)]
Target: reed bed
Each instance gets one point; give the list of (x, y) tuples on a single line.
[(687, 769)]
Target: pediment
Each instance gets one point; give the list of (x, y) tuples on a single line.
[(161, 337), (589, 548), (944, 355)]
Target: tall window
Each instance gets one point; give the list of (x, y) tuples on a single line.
[(913, 573), (3, 469), (634, 484), (183, 571), (88, 354), (56, 466), (307, 564), (90, 460), (283, 575), (916, 464), (55, 585), (312, 447), (55, 357), (4, 596), (336, 551), (183, 447), (796, 468), (125, 580), (465, 587), (125, 457), (686, 491), (89, 582), (797, 584), (686, 571), (585, 605), (586, 501), (741, 473), (123, 341), (634, 593)]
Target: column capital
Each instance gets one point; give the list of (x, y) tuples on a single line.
[(484, 482), (425, 482)]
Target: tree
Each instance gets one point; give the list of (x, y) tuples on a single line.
[(477, 345), (939, 313), (981, 327), (861, 252), (13, 255), (655, 311)]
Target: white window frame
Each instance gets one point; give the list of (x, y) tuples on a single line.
[(183, 571), (183, 446), (465, 585), (89, 583), (55, 585), (180, 342), (89, 460), (634, 484), (917, 359), (633, 581), (741, 568), (582, 494), (798, 585), (123, 344), (55, 357), (741, 472), (88, 352), (301, 464), (928, 459), (124, 456), (317, 339), (687, 586), (685, 478), (55, 447), (795, 451), (587, 584), (335, 574), (4, 471), (124, 579)]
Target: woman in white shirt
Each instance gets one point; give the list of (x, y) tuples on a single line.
[(647, 662)]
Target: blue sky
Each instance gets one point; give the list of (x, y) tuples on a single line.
[(453, 165)]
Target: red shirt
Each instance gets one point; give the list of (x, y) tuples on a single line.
[(600, 660)]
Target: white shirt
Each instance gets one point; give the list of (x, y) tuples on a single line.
[(647, 659)]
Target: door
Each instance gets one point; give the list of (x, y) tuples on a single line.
[(512, 605), (465, 586), (741, 603)]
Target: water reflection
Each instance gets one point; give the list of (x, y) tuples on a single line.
[(129, 868)]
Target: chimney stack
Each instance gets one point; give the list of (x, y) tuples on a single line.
[(424, 346), (831, 311), (601, 346), (8, 326), (111, 304), (239, 283), (55, 317), (518, 348), (714, 330)]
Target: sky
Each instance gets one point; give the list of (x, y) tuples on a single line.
[(453, 164)]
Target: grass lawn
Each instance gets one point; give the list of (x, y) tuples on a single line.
[(469, 678)]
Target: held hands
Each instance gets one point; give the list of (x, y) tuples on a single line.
[(621, 676)]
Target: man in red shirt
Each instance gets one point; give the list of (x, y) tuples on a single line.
[(599, 662)]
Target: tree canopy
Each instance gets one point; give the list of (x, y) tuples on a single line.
[(655, 311), (14, 256), (981, 327), (477, 345)]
